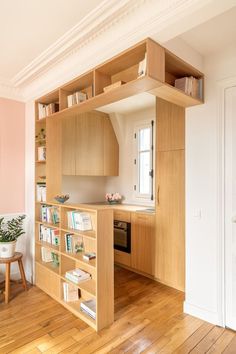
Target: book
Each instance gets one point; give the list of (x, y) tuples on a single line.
[(41, 191), (46, 255), (190, 85), (113, 86), (70, 292), (89, 307), (42, 153), (45, 110), (50, 214), (55, 237), (142, 67), (77, 275), (81, 221), (89, 255), (80, 96)]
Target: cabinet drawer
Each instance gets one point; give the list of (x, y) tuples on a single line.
[(122, 215), (122, 258)]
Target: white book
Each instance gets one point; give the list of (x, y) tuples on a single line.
[(41, 153), (71, 292), (80, 96), (89, 307), (70, 101), (142, 68), (82, 221), (46, 255)]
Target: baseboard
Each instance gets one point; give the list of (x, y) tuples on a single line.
[(203, 314)]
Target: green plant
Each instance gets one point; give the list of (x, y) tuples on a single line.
[(12, 229)]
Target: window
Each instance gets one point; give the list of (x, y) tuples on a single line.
[(144, 161)]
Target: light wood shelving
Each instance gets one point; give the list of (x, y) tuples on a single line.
[(163, 67), (62, 131), (99, 240)]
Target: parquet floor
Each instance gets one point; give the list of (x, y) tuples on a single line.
[(148, 319)]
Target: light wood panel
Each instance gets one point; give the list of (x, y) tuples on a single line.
[(170, 216), (155, 61), (122, 215), (149, 319), (111, 149), (122, 258), (68, 146), (170, 126), (89, 144), (143, 242), (105, 269), (53, 164)]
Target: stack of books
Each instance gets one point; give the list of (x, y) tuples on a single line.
[(89, 307), (190, 85), (70, 292), (50, 214), (79, 221), (46, 234), (41, 192), (47, 109), (76, 98), (42, 153), (77, 275)]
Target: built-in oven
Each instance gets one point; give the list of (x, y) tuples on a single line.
[(122, 236)]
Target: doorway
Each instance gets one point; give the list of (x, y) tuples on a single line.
[(230, 207)]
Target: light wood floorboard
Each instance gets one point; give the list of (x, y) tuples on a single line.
[(149, 318)]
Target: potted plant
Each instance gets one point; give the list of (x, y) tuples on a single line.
[(9, 232), (113, 198)]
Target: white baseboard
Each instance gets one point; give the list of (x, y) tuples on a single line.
[(203, 314)]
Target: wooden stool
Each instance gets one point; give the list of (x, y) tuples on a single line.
[(16, 258)]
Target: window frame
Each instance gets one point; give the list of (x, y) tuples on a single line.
[(137, 195)]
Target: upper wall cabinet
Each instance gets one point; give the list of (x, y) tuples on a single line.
[(89, 146), (145, 67)]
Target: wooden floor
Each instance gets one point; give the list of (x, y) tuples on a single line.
[(148, 319)]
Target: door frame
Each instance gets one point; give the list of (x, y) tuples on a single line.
[(223, 85)]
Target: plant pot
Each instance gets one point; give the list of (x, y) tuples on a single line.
[(7, 249)]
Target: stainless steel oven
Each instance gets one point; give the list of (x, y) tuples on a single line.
[(122, 236)]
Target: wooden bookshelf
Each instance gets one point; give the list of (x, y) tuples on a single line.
[(98, 240), (163, 67)]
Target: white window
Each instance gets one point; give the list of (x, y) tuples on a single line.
[(144, 161)]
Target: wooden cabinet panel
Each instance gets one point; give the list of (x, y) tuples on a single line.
[(143, 239), (122, 258), (47, 281), (111, 150), (89, 144), (68, 146), (122, 215), (170, 126), (170, 215)]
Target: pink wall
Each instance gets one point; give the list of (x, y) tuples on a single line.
[(12, 156)]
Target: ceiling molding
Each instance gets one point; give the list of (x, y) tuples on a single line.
[(97, 21), (7, 90)]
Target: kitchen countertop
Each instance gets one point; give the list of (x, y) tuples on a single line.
[(127, 207)]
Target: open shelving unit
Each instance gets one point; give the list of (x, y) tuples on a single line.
[(50, 276), (162, 68)]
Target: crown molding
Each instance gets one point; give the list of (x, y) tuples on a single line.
[(8, 90), (90, 27)]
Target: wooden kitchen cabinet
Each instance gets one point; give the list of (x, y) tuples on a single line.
[(89, 145), (143, 242)]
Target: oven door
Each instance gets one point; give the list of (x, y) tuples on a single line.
[(122, 239)]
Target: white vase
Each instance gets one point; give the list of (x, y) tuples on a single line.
[(7, 249)]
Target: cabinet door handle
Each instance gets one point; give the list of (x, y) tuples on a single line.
[(158, 194)]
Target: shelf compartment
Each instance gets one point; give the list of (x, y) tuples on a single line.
[(89, 286), (79, 258), (83, 83), (87, 234), (48, 266), (48, 245), (75, 308), (53, 226), (176, 96), (52, 97)]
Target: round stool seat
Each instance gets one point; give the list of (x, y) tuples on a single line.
[(7, 261), (15, 258)]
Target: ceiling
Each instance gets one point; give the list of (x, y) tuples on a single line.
[(214, 34), (29, 27)]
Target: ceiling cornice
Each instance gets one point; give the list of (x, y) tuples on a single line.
[(97, 21), (8, 90)]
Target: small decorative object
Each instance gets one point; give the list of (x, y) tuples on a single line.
[(41, 136), (62, 198), (9, 232), (55, 259), (113, 198)]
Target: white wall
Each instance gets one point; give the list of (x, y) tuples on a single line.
[(203, 238), (84, 189), (124, 126)]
